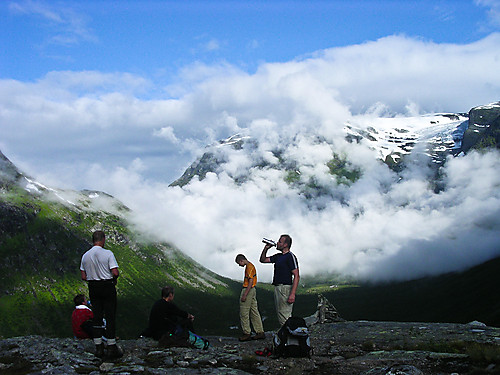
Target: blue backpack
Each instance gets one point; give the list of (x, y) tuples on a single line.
[(197, 342)]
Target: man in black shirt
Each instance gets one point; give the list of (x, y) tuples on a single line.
[(286, 276), (166, 317)]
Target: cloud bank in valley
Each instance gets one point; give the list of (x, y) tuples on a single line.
[(108, 132)]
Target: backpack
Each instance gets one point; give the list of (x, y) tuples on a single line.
[(198, 342), (183, 338), (292, 339)]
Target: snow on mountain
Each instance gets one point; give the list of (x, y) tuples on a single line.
[(398, 136), (78, 200), (393, 139)]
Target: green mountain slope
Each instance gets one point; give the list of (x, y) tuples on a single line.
[(42, 239)]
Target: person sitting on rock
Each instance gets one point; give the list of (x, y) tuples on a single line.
[(166, 317), (82, 318), (172, 326)]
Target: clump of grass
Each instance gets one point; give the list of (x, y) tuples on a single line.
[(368, 346), (483, 352), (453, 346), (249, 359), (478, 352)]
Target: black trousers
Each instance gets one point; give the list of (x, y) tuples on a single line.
[(103, 299), (88, 328)]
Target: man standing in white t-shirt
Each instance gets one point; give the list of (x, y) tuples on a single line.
[(100, 269)]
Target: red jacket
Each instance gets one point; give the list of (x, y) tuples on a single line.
[(81, 314)]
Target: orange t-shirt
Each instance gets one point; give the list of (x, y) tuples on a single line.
[(250, 273)]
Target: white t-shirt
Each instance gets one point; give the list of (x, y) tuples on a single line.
[(97, 263)]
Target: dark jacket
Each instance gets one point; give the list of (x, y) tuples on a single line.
[(164, 318)]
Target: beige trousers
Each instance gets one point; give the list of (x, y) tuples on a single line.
[(283, 308), (249, 311)]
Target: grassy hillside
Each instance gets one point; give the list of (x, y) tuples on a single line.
[(41, 244)]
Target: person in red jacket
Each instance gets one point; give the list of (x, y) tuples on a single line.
[(81, 319)]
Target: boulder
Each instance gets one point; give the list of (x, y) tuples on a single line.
[(326, 313)]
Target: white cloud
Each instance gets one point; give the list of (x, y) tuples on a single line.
[(76, 127), (212, 45), (168, 134)]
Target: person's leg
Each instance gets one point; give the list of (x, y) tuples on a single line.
[(187, 325), (254, 312), (245, 317), (88, 328), (109, 306), (113, 351), (283, 308), (95, 296)]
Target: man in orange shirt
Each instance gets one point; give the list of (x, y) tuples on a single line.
[(249, 310)]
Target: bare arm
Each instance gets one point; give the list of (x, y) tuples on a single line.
[(247, 290), (115, 273), (263, 256), (296, 278), (84, 275)]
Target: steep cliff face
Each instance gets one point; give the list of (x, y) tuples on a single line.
[(9, 174), (484, 128)]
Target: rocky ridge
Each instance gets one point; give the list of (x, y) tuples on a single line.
[(344, 348), (397, 141)]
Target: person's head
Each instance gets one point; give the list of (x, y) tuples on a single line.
[(284, 243), (80, 299), (167, 292), (98, 238), (241, 260)]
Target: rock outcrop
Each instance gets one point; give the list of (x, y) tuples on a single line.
[(484, 127), (326, 313), (342, 348)]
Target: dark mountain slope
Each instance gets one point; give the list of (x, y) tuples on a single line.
[(459, 297)]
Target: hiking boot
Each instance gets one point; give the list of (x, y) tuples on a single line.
[(245, 337), (259, 336), (99, 350), (114, 351)]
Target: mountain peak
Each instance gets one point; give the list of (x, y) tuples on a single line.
[(9, 174)]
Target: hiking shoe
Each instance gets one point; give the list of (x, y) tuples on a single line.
[(99, 350), (114, 351), (259, 336), (245, 337)]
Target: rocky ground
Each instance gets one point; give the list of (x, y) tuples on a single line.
[(344, 348)]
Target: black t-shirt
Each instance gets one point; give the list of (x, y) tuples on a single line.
[(284, 264), (164, 318)]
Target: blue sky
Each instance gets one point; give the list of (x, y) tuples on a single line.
[(157, 38), (122, 96)]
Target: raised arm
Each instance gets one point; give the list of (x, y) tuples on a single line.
[(263, 256)]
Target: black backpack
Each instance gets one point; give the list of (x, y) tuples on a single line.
[(292, 340)]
